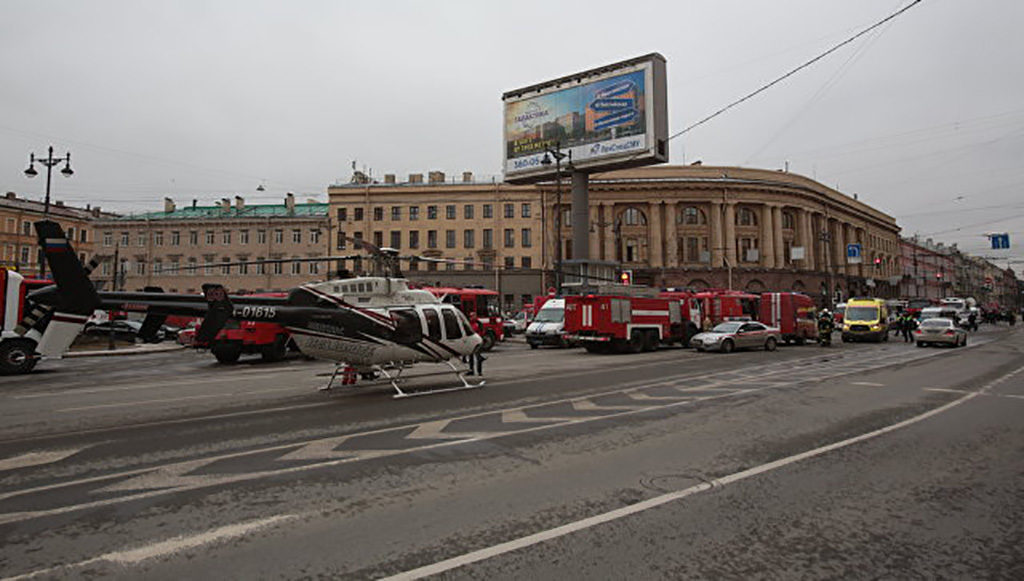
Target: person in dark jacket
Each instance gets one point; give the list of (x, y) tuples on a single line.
[(907, 325)]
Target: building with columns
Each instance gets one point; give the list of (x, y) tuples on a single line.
[(673, 226)]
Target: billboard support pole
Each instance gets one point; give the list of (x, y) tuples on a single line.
[(580, 215)]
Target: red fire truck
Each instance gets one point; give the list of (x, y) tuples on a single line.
[(720, 305), (480, 306), (270, 340), (614, 323), (792, 313)]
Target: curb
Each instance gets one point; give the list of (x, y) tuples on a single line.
[(139, 350)]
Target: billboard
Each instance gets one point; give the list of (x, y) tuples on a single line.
[(607, 118)]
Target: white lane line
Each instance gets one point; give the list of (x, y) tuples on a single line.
[(146, 402), (163, 548), (37, 458), (536, 538), (867, 383), (939, 389)]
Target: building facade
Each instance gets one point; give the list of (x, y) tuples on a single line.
[(929, 269), (19, 248), (179, 249), (673, 226)]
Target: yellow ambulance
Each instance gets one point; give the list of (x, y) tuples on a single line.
[(866, 320)]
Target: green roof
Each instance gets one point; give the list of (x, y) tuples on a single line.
[(247, 211)]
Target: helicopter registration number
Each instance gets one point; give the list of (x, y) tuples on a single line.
[(256, 312)]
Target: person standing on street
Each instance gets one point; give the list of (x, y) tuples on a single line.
[(907, 326)]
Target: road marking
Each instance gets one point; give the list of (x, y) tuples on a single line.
[(867, 383), (550, 534), (938, 389), (37, 458), (161, 549), (146, 402)]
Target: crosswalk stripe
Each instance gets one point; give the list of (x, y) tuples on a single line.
[(37, 458)]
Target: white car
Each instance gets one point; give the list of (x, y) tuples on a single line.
[(731, 335)]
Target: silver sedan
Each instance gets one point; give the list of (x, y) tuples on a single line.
[(940, 331), (737, 335)]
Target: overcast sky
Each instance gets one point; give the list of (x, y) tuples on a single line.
[(924, 119)]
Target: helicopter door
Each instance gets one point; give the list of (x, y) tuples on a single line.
[(433, 322), (407, 326), (452, 329)]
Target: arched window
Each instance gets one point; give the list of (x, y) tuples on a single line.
[(633, 217), (693, 216), (745, 217), (787, 220)]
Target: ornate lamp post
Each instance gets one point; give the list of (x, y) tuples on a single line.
[(31, 172)]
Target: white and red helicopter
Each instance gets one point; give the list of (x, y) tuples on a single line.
[(371, 326)]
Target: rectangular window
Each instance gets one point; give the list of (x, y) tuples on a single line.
[(467, 211), (243, 269), (225, 269), (141, 239), (527, 238), (83, 236), (510, 210), (449, 238), (226, 237), (378, 238), (357, 214), (488, 211), (342, 242), (378, 214), (358, 244), (26, 228), (314, 236), (278, 236), (175, 238), (527, 262), (488, 240), (140, 267), (414, 212), (207, 265), (243, 236), (108, 239), (342, 214), (261, 267), (431, 212), (296, 267), (510, 238), (431, 238), (158, 238), (209, 237), (396, 213), (261, 237), (526, 210), (193, 238), (510, 262), (414, 239), (297, 236), (314, 268), (192, 267), (278, 267), (396, 239), (467, 264), (158, 267), (449, 211), (468, 238)]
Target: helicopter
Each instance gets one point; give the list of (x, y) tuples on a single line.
[(370, 326)]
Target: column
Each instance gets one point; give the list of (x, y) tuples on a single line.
[(654, 237), (839, 248), (594, 231), (767, 237), (807, 240), (730, 233), (780, 245), (609, 231), (716, 242), (671, 234)]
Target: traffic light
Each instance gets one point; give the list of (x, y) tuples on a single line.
[(878, 262), (626, 277)]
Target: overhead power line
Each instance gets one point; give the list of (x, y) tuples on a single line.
[(792, 72)]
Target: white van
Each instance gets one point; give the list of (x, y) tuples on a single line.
[(548, 327)]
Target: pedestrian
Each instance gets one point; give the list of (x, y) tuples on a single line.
[(972, 321), (706, 324), (475, 362), (908, 328)]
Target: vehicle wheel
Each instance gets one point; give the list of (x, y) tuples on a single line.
[(650, 341), (276, 351), (885, 337), (533, 345), (727, 346), (489, 341), (770, 344), (636, 342), (922, 344), (226, 352), (17, 357)]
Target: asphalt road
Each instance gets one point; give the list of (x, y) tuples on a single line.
[(859, 461)]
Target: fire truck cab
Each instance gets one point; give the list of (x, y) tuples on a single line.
[(792, 313)]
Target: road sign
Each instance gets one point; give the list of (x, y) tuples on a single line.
[(853, 254), (1000, 241)]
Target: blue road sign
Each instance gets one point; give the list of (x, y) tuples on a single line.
[(1000, 241), (853, 254)]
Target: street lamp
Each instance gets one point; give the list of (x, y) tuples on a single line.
[(546, 160), (31, 172)]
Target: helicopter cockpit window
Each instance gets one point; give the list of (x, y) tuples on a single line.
[(466, 327), (451, 324), (408, 329), (433, 323)]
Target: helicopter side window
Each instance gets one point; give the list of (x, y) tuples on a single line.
[(451, 324), (466, 327), (433, 323), (407, 323)]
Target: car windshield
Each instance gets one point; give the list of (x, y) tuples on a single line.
[(861, 313), (550, 315), (727, 328)]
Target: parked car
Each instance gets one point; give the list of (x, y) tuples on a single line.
[(731, 335), (940, 331), (123, 330), (516, 324)]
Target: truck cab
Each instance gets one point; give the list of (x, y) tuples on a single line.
[(548, 327)]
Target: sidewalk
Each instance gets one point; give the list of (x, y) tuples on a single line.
[(139, 349)]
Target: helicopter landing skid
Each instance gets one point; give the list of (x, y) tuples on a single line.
[(396, 378)]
